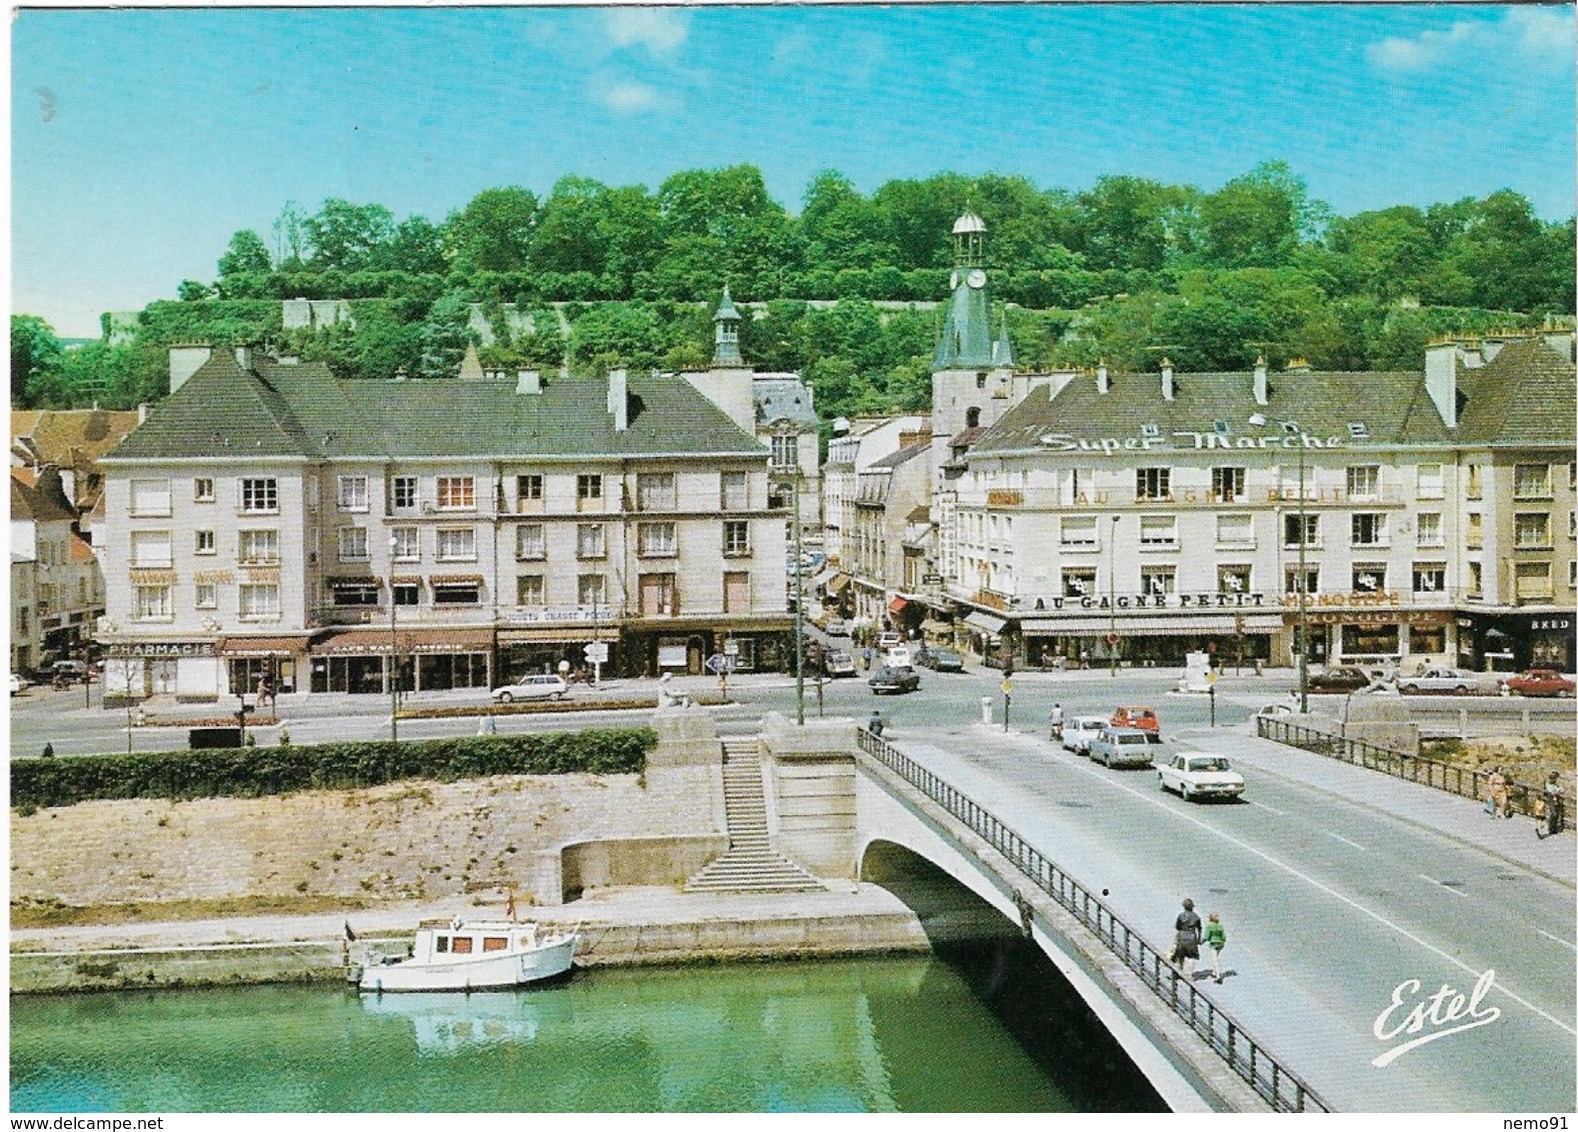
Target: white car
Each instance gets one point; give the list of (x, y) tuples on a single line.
[(16, 683), (540, 687), (837, 628), (1199, 775), (1121, 746), (1450, 680), (1079, 731)]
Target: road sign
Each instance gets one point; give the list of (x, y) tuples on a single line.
[(1008, 687), (731, 648), (1210, 678), (718, 664), (597, 652), (931, 579), (1113, 638)]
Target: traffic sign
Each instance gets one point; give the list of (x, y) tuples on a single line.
[(1210, 677), (1008, 687), (931, 579), (597, 652), (718, 664), (731, 648)]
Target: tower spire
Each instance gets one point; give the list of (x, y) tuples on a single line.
[(726, 334)]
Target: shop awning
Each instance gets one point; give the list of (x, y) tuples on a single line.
[(1212, 625), (457, 579), (373, 642), (931, 626), (986, 622), (897, 605), (566, 634), (838, 584), (825, 576), (263, 646)]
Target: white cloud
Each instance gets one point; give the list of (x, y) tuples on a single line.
[(660, 30), (628, 97), (1524, 33)]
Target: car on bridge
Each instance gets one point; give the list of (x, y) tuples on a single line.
[(892, 681), (1438, 681), (1122, 746), (1339, 678), (1079, 731), (1538, 682), (1196, 774), (542, 686)]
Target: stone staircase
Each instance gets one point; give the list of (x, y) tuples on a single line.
[(749, 864)]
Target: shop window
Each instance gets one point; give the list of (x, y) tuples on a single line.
[(1531, 481), (260, 496), (745, 657), (1227, 485), (457, 493), (353, 544), (203, 490), (1233, 579), (529, 543), (1429, 577), (1369, 529), (353, 493), (529, 590), (1079, 583), (403, 493), (1531, 530), (1364, 482), (1370, 640), (655, 491), (732, 491), (258, 548), (655, 540), (457, 593), (1427, 639), (150, 497), (1369, 577), (407, 544), (1428, 529)]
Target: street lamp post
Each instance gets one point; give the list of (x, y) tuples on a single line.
[(799, 608), (394, 655), (1112, 597), (1292, 428)]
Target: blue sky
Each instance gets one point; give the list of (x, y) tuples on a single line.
[(141, 140)]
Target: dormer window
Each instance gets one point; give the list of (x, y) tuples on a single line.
[(1151, 431), (1219, 427), (1358, 430)]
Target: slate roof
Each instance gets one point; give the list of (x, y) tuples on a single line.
[(782, 397), (1393, 407), (1523, 396), (902, 456), (966, 338), (226, 412)]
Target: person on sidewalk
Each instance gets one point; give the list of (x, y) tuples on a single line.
[(1216, 937), (1057, 721), (1497, 784), (1554, 802), (1186, 943), (874, 724)]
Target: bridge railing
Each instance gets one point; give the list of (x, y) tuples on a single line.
[(1463, 781), (1283, 1089)]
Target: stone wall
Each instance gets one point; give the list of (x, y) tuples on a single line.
[(811, 785)]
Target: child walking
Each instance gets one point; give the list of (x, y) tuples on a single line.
[(1216, 937)]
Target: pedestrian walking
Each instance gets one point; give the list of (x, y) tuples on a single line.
[(875, 723), (1186, 943), (1554, 802), (266, 693), (865, 658), (1216, 937), (1057, 721), (1498, 804)]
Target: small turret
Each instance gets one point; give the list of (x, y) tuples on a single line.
[(726, 334)]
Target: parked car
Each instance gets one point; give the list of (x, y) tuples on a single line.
[(68, 672), (840, 663), (1078, 732), (894, 681), (890, 639), (836, 627), (1121, 746), (1538, 682), (1140, 718), (944, 660), (1341, 678), (540, 687), (1438, 680), (1199, 775), (17, 683)]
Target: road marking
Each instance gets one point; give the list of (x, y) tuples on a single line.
[(1279, 813), (1558, 939), (1345, 841), (1442, 884), (1354, 904)]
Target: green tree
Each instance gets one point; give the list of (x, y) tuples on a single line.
[(1258, 220), (417, 247), (347, 236), (35, 353), (444, 336), (494, 231), (246, 254), (290, 236), (1131, 222)]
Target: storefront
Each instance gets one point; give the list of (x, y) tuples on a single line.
[(186, 669), (426, 659), (248, 660), (1507, 642), (1149, 640), (682, 646)]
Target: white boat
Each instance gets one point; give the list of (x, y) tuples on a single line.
[(467, 955)]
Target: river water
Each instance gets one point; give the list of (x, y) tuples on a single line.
[(991, 1027)]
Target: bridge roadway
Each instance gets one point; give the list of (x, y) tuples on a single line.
[(1337, 886)]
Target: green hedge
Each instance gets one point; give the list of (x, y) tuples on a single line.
[(252, 772)]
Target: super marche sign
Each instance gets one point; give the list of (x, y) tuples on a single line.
[(1186, 441)]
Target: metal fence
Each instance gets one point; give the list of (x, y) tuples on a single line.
[(1462, 781), (1281, 1088)]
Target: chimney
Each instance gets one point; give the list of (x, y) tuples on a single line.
[(1474, 355), (1262, 389), (1103, 383), (1563, 342), (1441, 379), (619, 399), (243, 355), (186, 358), (528, 381), (1167, 379), (142, 412)]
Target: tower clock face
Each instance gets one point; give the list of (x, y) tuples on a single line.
[(977, 278), (953, 281)]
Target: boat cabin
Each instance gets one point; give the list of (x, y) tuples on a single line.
[(439, 940)]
